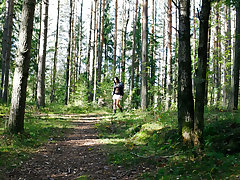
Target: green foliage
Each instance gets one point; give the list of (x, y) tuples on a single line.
[(151, 140)]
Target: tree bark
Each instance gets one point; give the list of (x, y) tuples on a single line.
[(133, 52), (169, 57), (68, 57), (236, 61), (15, 122), (95, 41), (80, 41), (6, 49), (42, 56), (201, 73), (101, 44), (185, 96), (55, 58), (144, 54), (115, 40)]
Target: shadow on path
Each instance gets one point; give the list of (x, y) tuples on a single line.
[(78, 154)]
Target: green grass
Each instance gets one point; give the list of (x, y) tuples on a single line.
[(151, 140), (38, 130)]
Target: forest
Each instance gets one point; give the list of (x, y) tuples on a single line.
[(178, 62)]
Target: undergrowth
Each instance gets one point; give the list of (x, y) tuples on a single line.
[(150, 141)]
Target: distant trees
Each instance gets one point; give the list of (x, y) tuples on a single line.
[(158, 69)]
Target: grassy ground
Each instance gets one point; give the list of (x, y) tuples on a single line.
[(151, 140), (39, 129)]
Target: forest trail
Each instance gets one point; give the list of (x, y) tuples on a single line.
[(79, 155)]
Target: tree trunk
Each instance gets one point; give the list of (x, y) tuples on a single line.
[(194, 48), (133, 52), (101, 44), (185, 97), (55, 58), (6, 49), (92, 55), (95, 41), (144, 53), (80, 41), (69, 56), (115, 40), (169, 57), (176, 59), (89, 60), (236, 61), (42, 56), (201, 73), (124, 33), (15, 122)]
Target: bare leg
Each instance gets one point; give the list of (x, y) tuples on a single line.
[(118, 104), (114, 105)]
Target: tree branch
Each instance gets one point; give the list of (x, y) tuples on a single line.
[(175, 4)]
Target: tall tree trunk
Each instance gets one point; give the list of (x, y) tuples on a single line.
[(133, 52), (176, 59), (152, 62), (95, 44), (89, 62), (6, 49), (185, 96), (115, 40), (124, 33), (144, 53), (68, 57), (80, 41), (42, 56), (169, 57), (194, 48), (163, 58), (208, 57), (236, 61), (55, 58), (15, 122), (101, 44), (201, 73), (92, 53)]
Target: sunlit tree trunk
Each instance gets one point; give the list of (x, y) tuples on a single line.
[(201, 73), (133, 52), (115, 40), (42, 56), (55, 58), (89, 60), (101, 43), (185, 97), (169, 57), (6, 49), (67, 89), (15, 122), (176, 59), (95, 44), (144, 54), (80, 41), (123, 50)]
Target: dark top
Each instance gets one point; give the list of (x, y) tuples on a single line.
[(118, 89)]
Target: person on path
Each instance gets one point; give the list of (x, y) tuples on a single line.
[(117, 94)]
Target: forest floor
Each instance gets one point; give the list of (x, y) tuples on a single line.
[(78, 155), (70, 143)]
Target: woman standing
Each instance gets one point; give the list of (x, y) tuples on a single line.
[(117, 94)]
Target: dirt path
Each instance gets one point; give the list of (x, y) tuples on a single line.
[(77, 155)]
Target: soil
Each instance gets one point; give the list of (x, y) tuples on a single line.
[(79, 155)]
